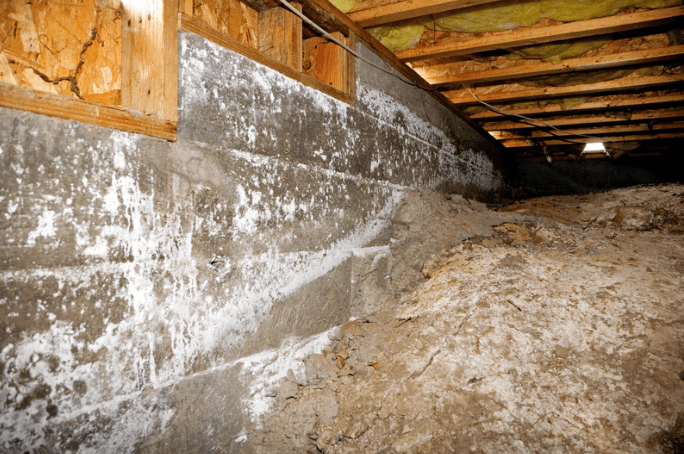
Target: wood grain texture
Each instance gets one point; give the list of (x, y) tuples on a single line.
[(576, 120), (538, 35), (149, 57), (280, 36), (75, 109), (517, 143), (592, 131), (462, 97), (71, 49), (602, 103), (191, 25), (534, 69), (326, 61), (379, 12), (230, 17)]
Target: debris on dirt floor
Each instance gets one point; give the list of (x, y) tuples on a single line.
[(557, 330)]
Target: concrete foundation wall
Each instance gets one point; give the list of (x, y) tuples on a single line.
[(144, 285)]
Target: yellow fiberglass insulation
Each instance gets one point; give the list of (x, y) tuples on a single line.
[(507, 17), (556, 53), (490, 19), (398, 38), (345, 5)]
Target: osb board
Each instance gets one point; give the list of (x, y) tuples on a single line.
[(230, 17), (69, 48)]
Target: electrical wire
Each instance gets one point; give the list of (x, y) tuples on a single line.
[(533, 120), (503, 112), (392, 73), (347, 48)]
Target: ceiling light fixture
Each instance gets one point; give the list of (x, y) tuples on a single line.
[(596, 147)]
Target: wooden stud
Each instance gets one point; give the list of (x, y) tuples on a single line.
[(463, 97), (280, 36), (149, 57), (639, 57), (536, 35), (87, 112), (378, 12)]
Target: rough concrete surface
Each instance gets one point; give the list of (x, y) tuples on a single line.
[(146, 287), (561, 331)]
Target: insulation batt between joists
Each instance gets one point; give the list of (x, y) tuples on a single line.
[(502, 17)]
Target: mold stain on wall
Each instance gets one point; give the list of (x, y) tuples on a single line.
[(131, 266)]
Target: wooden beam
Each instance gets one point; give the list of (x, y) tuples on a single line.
[(574, 120), (149, 57), (463, 97), (616, 129), (280, 36), (378, 12), (597, 103), (569, 157), (516, 143), (528, 36), (192, 25), (75, 109), (327, 61), (639, 57)]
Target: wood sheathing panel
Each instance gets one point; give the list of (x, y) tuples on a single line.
[(230, 17), (67, 48)]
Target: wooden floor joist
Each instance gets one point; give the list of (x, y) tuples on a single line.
[(517, 143), (538, 35), (534, 69), (463, 97), (574, 120), (618, 129), (597, 103), (378, 12)]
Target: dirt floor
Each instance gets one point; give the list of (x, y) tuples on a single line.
[(553, 325)]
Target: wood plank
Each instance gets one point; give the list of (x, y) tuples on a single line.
[(516, 143), (616, 129), (350, 89), (378, 12), (537, 35), (597, 103), (524, 71), (567, 157), (573, 120), (87, 112), (463, 97), (192, 25), (230, 17), (280, 36), (149, 75), (185, 7), (326, 61)]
